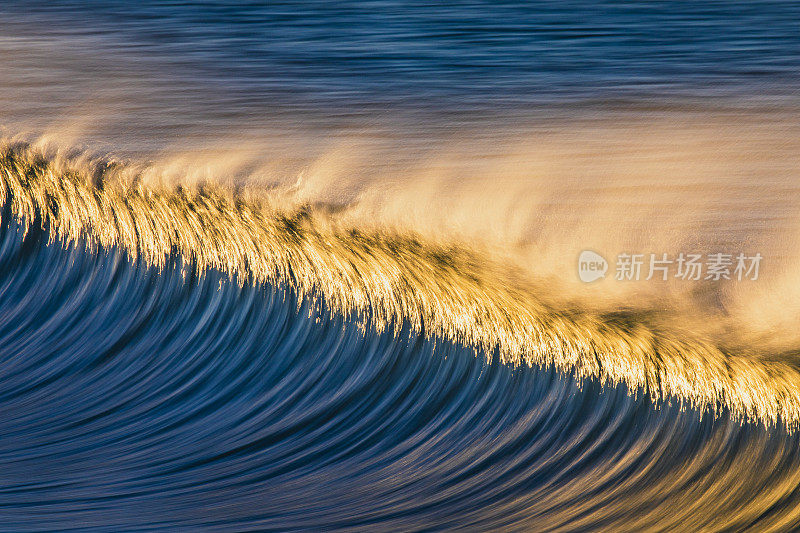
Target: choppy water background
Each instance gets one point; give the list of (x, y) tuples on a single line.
[(184, 66), (133, 398)]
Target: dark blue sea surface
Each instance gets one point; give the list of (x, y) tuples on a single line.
[(136, 398), (445, 56), (141, 399)]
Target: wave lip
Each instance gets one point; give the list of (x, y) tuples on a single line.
[(384, 281)]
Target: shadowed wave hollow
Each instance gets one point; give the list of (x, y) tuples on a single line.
[(384, 281)]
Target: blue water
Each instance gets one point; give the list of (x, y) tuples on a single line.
[(137, 399), (473, 55)]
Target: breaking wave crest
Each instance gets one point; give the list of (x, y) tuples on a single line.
[(385, 281)]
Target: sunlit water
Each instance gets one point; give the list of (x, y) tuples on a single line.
[(312, 266)]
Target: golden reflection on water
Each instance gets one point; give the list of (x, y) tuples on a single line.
[(385, 279)]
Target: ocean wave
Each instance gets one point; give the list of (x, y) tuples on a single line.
[(384, 281), (200, 359)]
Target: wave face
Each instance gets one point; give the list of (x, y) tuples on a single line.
[(387, 281), (190, 358)]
